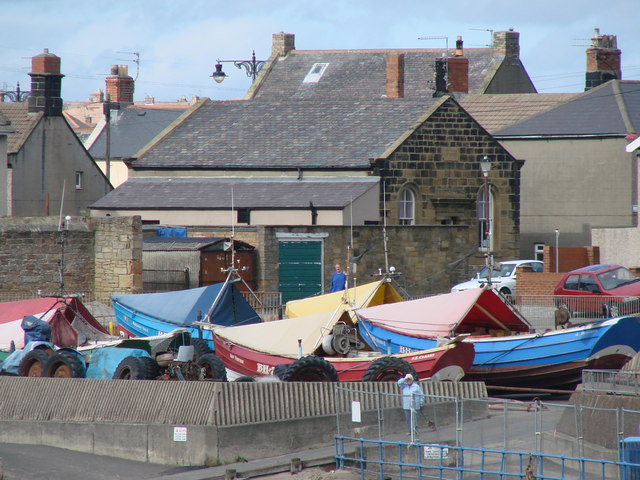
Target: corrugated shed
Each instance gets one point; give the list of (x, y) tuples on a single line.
[(199, 403)]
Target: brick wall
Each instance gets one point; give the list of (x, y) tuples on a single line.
[(530, 283), (570, 258)]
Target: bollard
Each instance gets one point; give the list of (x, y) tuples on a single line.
[(230, 474), (296, 465)]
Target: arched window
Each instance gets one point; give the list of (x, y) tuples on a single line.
[(486, 219), (406, 215)]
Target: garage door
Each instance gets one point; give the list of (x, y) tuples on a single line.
[(300, 269)]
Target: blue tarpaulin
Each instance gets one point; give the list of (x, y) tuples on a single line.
[(171, 232)]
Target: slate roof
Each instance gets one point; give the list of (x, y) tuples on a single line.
[(611, 109), (161, 244), (213, 193), (285, 134), (131, 129), (495, 112), (361, 74), (22, 123)]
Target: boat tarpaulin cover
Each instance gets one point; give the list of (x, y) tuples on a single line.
[(67, 316), (183, 307), (280, 337), (369, 294), (447, 314)]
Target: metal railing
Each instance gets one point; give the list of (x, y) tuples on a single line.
[(539, 310), (268, 305), (618, 382), (386, 459)]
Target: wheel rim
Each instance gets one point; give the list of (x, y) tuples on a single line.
[(35, 369), (62, 371)]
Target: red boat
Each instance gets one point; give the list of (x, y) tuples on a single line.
[(323, 347)]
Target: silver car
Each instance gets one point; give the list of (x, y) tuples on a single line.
[(503, 276)]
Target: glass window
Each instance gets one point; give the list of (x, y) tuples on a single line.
[(406, 215), (616, 278), (571, 283), (538, 251), (79, 179)]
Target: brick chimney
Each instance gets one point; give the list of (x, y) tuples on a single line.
[(507, 44), (395, 75), (46, 84), (603, 60), (119, 85), (458, 70), (282, 43)]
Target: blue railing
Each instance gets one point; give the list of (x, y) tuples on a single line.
[(402, 460)]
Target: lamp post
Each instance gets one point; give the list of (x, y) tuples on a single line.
[(485, 168), (252, 68), (557, 249)]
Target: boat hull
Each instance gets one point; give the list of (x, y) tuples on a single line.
[(449, 362), (553, 359)]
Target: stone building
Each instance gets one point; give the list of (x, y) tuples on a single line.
[(322, 141)]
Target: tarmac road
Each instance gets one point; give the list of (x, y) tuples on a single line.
[(36, 462)]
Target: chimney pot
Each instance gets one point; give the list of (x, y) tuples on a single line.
[(46, 84), (459, 49)]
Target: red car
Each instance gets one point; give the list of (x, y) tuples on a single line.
[(607, 289)]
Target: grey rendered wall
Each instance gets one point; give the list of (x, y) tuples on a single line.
[(573, 185)]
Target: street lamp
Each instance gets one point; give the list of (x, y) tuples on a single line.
[(485, 168), (252, 67)]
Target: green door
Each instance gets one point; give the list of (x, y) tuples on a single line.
[(300, 269)]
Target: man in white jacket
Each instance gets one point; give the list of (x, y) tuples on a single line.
[(412, 401)]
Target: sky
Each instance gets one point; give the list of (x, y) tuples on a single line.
[(179, 41)]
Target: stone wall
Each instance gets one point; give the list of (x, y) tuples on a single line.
[(100, 256), (430, 259), (118, 255)]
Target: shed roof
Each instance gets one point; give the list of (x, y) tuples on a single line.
[(215, 193), (209, 244)]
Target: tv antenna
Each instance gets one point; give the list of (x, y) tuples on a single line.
[(485, 30), (135, 60), (445, 38)]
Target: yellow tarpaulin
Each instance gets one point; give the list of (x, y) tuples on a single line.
[(367, 295), (280, 337)]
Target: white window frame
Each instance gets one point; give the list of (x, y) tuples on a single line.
[(79, 180), (316, 72), (406, 207)]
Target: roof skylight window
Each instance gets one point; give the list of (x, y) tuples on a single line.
[(315, 73)]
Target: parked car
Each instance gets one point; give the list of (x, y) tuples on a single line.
[(503, 276), (609, 290)]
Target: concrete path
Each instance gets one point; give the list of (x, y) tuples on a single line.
[(265, 466)]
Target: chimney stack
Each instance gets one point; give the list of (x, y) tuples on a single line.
[(46, 84), (119, 85), (507, 44), (282, 43), (395, 75), (603, 60), (458, 71)]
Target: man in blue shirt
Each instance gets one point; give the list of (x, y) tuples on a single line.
[(338, 280), (412, 401)]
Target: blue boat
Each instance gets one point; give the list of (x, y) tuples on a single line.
[(150, 314), (508, 352)]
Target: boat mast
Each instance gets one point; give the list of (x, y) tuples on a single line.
[(385, 239)]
